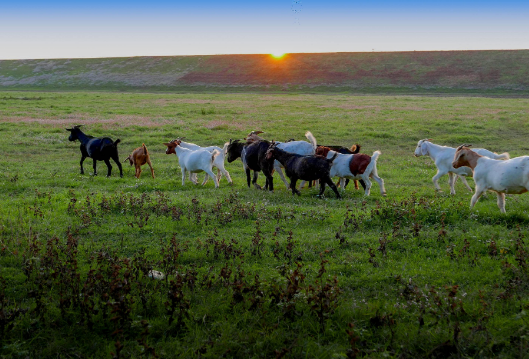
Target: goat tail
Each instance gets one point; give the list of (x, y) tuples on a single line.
[(116, 142), (333, 157), (355, 148), (145, 152), (225, 148), (373, 162), (312, 140), (214, 154), (502, 156)]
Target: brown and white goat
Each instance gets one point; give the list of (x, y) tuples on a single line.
[(324, 150), (509, 176), (356, 166), (138, 158)]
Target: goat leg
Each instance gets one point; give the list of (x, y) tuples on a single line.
[(150, 165), (322, 187), (363, 184), (254, 181), (109, 166), (293, 186), (206, 177), (269, 182), (83, 157), (95, 167), (116, 159), (331, 184), (248, 177)]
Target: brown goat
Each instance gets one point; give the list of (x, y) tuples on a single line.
[(138, 158), (253, 137)]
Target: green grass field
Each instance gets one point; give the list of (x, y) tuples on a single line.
[(251, 273)]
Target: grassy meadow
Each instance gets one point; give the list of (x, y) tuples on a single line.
[(250, 273)]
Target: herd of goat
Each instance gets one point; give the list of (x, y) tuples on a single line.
[(308, 161)]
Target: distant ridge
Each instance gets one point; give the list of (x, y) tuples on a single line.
[(451, 71)]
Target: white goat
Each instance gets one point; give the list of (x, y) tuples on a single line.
[(193, 161), (298, 147), (357, 167), (218, 163), (510, 176), (443, 157)]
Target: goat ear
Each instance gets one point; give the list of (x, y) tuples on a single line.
[(69, 129), (230, 141), (424, 149), (167, 144)]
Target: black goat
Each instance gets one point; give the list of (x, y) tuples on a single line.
[(254, 159), (306, 168), (99, 149)]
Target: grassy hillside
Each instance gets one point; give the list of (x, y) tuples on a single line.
[(500, 72)]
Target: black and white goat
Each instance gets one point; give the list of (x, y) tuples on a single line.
[(298, 147), (253, 157)]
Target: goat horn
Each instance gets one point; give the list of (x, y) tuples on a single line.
[(463, 145)]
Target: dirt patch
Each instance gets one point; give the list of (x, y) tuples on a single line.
[(410, 108), (224, 125), (489, 111), (352, 107), (122, 120)]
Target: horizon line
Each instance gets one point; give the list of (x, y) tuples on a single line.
[(257, 54)]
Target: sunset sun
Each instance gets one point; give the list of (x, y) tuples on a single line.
[(277, 55)]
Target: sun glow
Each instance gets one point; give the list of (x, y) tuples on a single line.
[(277, 55)]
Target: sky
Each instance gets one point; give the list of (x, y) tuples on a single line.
[(33, 29)]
